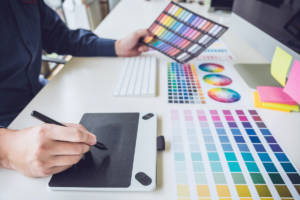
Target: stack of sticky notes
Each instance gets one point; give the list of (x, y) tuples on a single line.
[(274, 97), (282, 99)]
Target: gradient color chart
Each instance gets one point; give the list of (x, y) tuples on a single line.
[(228, 154), (181, 34), (183, 84)]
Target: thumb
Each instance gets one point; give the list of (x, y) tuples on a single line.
[(142, 33)]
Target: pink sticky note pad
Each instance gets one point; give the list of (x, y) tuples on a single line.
[(293, 84), (274, 95)]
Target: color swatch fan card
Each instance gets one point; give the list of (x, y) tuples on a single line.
[(181, 34), (204, 83), (228, 154)]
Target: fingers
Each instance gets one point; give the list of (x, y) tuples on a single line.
[(143, 48), (71, 134), (69, 148), (56, 170), (65, 160)]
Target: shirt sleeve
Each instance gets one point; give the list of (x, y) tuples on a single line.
[(58, 38)]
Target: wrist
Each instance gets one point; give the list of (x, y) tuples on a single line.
[(117, 48), (5, 144)]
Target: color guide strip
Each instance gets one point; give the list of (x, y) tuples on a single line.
[(217, 51), (229, 154), (181, 34), (183, 84)]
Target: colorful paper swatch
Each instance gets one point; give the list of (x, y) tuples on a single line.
[(280, 65), (224, 95), (181, 34), (228, 154), (293, 83), (183, 84), (202, 83), (271, 94), (216, 51), (258, 104), (217, 79)]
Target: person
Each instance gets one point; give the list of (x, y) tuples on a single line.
[(27, 27)]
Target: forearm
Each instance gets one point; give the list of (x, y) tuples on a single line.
[(6, 136)]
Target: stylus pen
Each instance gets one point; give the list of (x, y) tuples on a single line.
[(48, 120)]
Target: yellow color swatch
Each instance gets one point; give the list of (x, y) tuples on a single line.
[(184, 199), (157, 30), (166, 20), (225, 198), (223, 191), (267, 199), (280, 65), (243, 191), (170, 22), (282, 106), (250, 199), (183, 190), (204, 199), (258, 104), (203, 191), (178, 11)]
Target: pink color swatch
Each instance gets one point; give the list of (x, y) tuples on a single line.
[(270, 94), (229, 118), (187, 112), (216, 118), (174, 112), (188, 118), (243, 118), (293, 84), (257, 118), (175, 118), (200, 112), (202, 118), (213, 112), (226, 112)]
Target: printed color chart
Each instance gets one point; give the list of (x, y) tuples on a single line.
[(203, 83), (217, 51), (181, 34), (183, 84), (228, 154)]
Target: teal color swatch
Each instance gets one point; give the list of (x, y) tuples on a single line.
[(179, 157), (216, 167), (230, 156), (234, 167), (180, 167), (196, 156), (198, 167), (213, 156), (252, 167), (247, 157), (200, 178)]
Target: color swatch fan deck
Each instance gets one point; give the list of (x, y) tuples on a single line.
[(181, 34), (204, 83), (228, 154)]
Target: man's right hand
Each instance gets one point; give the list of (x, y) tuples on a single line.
[(44, 149)]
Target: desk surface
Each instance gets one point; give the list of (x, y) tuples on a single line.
[(86, 84)]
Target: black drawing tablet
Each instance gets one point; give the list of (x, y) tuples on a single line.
[(117, 168)]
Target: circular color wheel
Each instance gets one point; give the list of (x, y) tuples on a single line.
[(211, 67), (217, 79), (224, 95)]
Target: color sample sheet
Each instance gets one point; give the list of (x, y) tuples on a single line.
[(217, 51), (181, 34), (228, 154), (204, 83)]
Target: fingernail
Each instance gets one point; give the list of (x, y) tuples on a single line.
[(93, 140)]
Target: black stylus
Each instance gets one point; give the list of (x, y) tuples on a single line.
[(48, 120)]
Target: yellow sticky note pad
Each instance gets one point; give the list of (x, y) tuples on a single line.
[(280, 65), (258, 104), (282, 106)]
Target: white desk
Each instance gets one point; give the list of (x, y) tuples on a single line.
[(86, 84)]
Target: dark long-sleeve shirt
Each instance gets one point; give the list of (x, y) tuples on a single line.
[(27, 27)]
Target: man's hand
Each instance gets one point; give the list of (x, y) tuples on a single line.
[(44, 149), (130, 46)]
